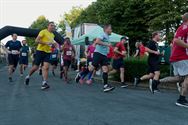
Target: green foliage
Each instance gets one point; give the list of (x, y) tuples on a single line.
[(136, 18), (72, 15), (135, 67), (40, 23)]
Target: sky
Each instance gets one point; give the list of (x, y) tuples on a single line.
[(23, 12)]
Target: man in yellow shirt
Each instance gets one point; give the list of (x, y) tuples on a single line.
[(45, 40)]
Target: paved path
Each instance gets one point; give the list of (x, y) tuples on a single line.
[(73, 104)]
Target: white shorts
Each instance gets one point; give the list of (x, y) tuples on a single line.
[(180, 68)]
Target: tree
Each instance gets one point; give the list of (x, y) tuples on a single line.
[(40, 23), (72, 15)]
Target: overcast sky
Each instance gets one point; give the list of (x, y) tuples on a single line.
[(24, 12)]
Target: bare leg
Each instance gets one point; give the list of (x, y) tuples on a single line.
[(33, 69), (10, 70), (171, 79), (122, 74), (184, 89), (45, 69), (148, 76)]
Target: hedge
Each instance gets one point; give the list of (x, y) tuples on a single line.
[(135, 67)]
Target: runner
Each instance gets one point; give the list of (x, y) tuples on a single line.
[(68, 53), (54, 58), (137, 53), (13, 49), (81, 75), (24, 54), (179, 59), (153, 64), (118, 62), (45, 40), (100, 56)]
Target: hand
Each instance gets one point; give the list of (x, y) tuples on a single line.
[(17, 52), (49, 43), (124, 53), (157, 53), (9, 52)]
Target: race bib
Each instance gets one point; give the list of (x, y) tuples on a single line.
[(54, 56), (14, 52), (69, 53), (24, 54)]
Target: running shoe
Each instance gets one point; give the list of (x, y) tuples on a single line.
[(89, 81), (108, 88), (21, 75), (182, 103), (45, 86), (81, 81), (179, 87), (136, 81), (10, 79), (157, 91), (124, 85), (77, 78), (26, 80)]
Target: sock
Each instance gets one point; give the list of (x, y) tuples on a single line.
[(44, 82), (182, 97), (105, 78), (27, 77), (156, 83), (90, 75)]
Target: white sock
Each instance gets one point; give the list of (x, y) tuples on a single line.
[(27, 76), (44, 82)]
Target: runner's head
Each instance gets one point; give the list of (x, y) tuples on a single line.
[(51, 26), (156, 36), (24, 42), (14, 36), (137, 44), (67, 41), (107, 29), (123, 39), (185, 18)]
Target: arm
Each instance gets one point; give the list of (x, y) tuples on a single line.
[(98, 41), (6, 47), (180, 43), (136, 54), (86, 52), (151, 51), (123, 53), (38, 41)]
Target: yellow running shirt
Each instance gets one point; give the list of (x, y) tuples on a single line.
[(46, 36)]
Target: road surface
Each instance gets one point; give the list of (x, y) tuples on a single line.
[(74, 104)]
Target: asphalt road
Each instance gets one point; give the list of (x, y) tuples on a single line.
[(74, 104)]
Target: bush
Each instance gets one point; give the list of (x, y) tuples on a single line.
[(135, 67)]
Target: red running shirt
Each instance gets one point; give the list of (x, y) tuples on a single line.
[(179, 53), (121, 48)]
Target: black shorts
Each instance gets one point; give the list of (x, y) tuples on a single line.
[(54, 62), (13, 60), (109, 61), (66, 63), (153, 68), (99, 60), (118, 63), (41, 57), (89, 60), (24, 60)]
